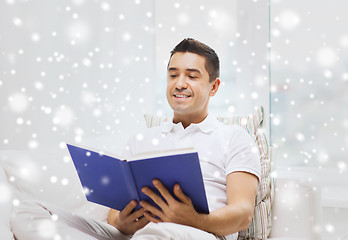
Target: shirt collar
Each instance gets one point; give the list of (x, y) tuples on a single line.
[(206, 126), (167, 126)]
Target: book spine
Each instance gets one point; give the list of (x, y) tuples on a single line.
[(129, 180)]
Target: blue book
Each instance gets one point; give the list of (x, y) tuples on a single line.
[(114, 182)]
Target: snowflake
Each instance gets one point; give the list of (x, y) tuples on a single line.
[(18, 102)]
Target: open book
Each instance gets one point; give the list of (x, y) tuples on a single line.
[(114, 182)]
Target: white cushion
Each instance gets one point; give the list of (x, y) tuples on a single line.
[(5, 207), (296, 209), (50, 177)]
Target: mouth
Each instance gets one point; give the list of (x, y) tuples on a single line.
[(181, 96)]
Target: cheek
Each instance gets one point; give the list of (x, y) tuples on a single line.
[(168, 90), (201, 91)]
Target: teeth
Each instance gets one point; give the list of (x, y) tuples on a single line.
[(181, 96)]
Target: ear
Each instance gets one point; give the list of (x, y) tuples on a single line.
[(214, 87)]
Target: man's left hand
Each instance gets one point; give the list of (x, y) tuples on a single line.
[(181, 212)]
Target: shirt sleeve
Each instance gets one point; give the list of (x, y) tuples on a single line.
[(242, 154)]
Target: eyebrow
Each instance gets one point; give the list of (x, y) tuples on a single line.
[(188, 69)]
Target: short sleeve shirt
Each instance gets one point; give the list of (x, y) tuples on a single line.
[(221, 149)]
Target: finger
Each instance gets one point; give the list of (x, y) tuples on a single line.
[(137, 214), (142, 222), (181, 195), (149, 208), (151, 217), (163, 190), (128, 209), (155, 197)]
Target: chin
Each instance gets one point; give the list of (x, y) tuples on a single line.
[(180, 110)]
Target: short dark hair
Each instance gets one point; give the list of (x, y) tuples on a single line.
[(191, 45)]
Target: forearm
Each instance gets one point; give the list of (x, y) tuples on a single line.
[(226, 220), (234, 217)]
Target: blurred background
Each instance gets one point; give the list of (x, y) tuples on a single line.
[(78, 70), (85, 72)]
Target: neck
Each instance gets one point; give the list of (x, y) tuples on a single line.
[(187, 120)]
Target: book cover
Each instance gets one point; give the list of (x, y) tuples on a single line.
[(114, 182)]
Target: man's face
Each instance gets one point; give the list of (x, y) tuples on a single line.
[(188, 86)]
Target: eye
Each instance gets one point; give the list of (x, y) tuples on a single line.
[(192, 77), (172, 75)]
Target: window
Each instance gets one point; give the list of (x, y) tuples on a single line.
[(309, 92)]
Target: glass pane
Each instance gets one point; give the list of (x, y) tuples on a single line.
[(309, 92)]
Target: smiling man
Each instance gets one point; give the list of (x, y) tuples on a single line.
[(230, 167), (229, 163)]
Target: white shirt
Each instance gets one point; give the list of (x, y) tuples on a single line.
[(221, 149)]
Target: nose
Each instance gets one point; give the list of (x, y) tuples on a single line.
[(181, 83)]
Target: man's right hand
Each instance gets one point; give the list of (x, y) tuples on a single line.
[(126, 221)]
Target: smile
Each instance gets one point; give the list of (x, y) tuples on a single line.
[(181, 96)]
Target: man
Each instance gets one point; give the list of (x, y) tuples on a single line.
[(230, 168)]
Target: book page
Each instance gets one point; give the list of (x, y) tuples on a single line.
[(154, 154)]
